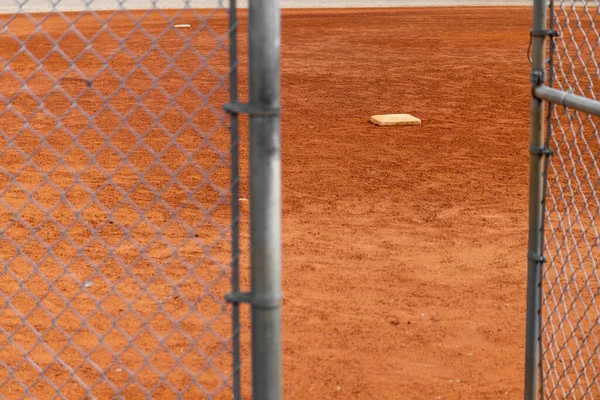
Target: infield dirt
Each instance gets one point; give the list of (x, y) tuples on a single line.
[(404, 247)]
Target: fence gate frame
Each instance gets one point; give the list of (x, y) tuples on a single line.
[(542, 53), (263, 109), (265, 298)]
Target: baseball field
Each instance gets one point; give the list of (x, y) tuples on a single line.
[(404, 269)]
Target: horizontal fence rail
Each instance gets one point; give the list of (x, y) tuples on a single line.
[(569, 100)]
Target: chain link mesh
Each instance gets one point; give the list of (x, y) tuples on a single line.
[(570, 356), (114, 200)]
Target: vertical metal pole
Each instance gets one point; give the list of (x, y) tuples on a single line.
[(536, 208), (235, 211), (265, 198)]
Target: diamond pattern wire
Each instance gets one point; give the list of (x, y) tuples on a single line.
[(570, 352), (114, 201)]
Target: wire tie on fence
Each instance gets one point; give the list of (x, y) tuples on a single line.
[(252, 110), (536, 257), (541, 151), (256, 301), (551, 33)]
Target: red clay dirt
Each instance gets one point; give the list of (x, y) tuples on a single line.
[(403, 247)]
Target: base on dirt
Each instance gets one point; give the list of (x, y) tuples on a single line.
[(395, 119)]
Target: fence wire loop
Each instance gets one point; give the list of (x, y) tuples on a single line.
[(550, 33), (529, 48)]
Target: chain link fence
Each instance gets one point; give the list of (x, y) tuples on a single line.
[(570, 360), (115, 200), (569, 281)]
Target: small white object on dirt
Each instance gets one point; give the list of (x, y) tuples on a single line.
[(395, 119), (242, 199), (183, 26)]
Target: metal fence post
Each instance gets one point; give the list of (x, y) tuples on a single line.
[(235, 212), (536, 206), (265, 198)]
